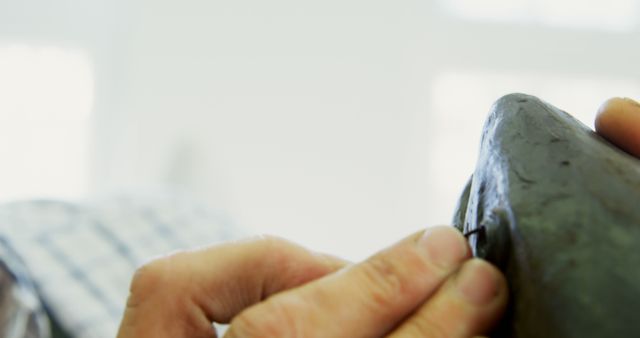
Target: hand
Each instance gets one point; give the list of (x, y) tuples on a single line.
[(424, 286)]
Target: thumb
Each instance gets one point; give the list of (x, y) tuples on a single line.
[(364, 300)]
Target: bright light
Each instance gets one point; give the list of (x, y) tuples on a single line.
[(491, 10), (607, 14), (596, 14), (46, 97)]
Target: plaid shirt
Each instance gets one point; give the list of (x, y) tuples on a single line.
[(81, 257)]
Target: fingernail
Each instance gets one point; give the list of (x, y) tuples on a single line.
[(445, 246), (477, 282)]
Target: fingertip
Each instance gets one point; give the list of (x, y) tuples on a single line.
[(445, 246), (470, 304), (618, 120), (480, 283)]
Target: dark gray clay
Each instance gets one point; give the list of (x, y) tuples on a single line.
[(557, 209)]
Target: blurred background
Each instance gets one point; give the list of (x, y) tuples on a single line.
[(342, 125)]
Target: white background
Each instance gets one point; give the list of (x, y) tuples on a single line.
[(343, 125)]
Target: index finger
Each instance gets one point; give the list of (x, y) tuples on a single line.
[(180, 295)]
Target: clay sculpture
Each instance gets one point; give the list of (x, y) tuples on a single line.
[(557, 209)]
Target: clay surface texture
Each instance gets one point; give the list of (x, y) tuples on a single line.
[(557, 209)]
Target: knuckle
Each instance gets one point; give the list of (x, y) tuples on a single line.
[(150, 277), (271, 245), (147, 276), (269, 241), (277, 250), (159, 284)]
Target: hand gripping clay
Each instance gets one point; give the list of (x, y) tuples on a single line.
[(557, 209)]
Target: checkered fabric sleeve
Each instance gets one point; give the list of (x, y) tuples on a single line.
[(82, 256)]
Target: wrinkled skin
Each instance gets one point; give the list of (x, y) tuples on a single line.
[(557, 209)]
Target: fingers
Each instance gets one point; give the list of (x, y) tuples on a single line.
[(180, 295), (364, 300), (469, 304), (618, 121)]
